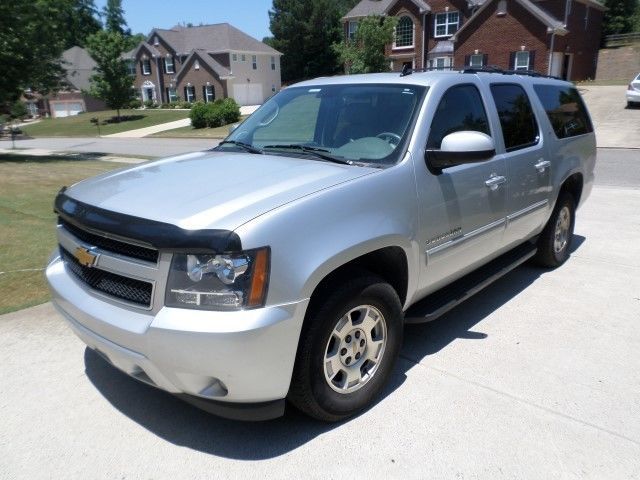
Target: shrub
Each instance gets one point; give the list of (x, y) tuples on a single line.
[(214, 115), (150, 104), (135, 103), (198, 115), (185, 104), (175, 104), (230, 110), (19, 110), (165, 105)]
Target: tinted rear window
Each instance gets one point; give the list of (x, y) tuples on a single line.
[(565, 109), (519, 126)]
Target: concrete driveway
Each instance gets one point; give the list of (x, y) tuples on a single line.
[(536, 377), (616, 125)]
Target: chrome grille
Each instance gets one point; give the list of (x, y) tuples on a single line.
[(111, 245), (124, 288)]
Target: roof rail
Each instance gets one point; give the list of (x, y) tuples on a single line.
[(494, 69), (407, 70)]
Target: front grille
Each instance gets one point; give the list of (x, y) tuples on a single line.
[(124, 288), (111, 245)]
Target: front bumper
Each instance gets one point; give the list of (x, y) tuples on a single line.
[(224, 362), (633, 96)]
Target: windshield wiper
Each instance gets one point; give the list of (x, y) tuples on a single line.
[(318, 152), (245, 146)]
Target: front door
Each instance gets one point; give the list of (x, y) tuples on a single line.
[(524, 152), (148, 93), (462, 207)]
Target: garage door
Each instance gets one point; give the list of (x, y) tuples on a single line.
[(66, 109), (248, 93)]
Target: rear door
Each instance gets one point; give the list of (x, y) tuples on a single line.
[(527, 162)]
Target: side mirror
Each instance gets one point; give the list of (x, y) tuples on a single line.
[(459, 148)]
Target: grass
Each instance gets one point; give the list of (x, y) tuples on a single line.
[(28, 186), (190, 132), (81, 126)]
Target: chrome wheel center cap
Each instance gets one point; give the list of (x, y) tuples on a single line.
[(352, 347)]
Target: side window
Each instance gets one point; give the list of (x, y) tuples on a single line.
[(519, 126), (565, 109), (460, 109)]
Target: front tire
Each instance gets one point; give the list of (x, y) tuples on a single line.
[(555, 240), (348, 347)]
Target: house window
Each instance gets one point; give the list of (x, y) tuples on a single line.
[(196, 65), (131, 67), (254, 62), (243, 58), (234, 57), (447, 23), (352, 29), (172, 95), (169, 66), (273, 63), (440, 63), (146, 66), (155, 40), (208, 93), (404, 32), (522, 61), (190, 93), (476, 61)]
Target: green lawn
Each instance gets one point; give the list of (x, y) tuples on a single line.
[(81, 126), (190, 132), (28, 186)]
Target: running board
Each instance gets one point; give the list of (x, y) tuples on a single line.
[(443, 300)]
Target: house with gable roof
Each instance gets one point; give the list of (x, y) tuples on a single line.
[(204, 63), (555, 37)]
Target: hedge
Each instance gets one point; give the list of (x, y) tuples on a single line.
[(216, 114)]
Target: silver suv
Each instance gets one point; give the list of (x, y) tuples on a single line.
[(284, 263)]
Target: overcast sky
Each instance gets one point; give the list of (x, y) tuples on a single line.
[(250, 16)]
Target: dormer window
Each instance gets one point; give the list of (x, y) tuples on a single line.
[(446, 24), (404, 33)]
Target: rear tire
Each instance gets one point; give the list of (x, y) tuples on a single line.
[(555, 240), (348, 347)]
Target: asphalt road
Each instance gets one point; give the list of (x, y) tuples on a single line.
[(536, 377)]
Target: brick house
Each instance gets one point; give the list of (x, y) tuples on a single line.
[(557, 37), (203, 63)]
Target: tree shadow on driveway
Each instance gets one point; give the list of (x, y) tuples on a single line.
[(187, 426)]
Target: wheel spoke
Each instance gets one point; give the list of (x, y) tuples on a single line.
[(353, 376), (332, 366), (344, 325), (370, 320)]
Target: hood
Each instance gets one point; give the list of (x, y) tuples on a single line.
[(211, 189)]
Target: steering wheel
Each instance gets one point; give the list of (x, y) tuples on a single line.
[(390, 137)]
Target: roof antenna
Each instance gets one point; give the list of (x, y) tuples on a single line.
[(406, 70)]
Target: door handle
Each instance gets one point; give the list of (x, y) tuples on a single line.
[(495, 181), (542, 165)]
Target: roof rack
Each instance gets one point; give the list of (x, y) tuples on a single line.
[(494, 69)]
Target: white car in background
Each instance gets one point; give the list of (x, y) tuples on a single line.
[(633, 92)]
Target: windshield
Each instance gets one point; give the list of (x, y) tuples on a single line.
[(348, 123)]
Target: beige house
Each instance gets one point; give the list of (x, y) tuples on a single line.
[(203, 63)]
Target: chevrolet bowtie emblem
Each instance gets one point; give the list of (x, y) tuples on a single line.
[(85, 257)]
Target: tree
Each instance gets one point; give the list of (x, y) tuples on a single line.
[(620, 16), (32, 35), (365, 54), (114, 18), (112, 81), (81, 20), (304, 30)]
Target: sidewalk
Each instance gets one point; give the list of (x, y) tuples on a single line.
[(143, 132)]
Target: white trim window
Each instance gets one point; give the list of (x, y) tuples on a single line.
[(352, 28), (522, 61), (234, 57), (169, 65), (131, 67), (476, 61), (404, 33), (209, 93), (172, 94), (446, 24), (146, 66), (273, 63), (440, 63), (190, 93), (243, 58), (254, 62)]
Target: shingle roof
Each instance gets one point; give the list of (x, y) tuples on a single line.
[(133, 53), (379, 7), (221, 37), (218, 69), (547, 19), (79, 67)]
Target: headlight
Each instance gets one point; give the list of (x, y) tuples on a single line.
[(218, 282)]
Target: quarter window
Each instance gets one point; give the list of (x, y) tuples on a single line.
[(460, 109), (565, 109), (446, 23), (518, 122), (404, 32)]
